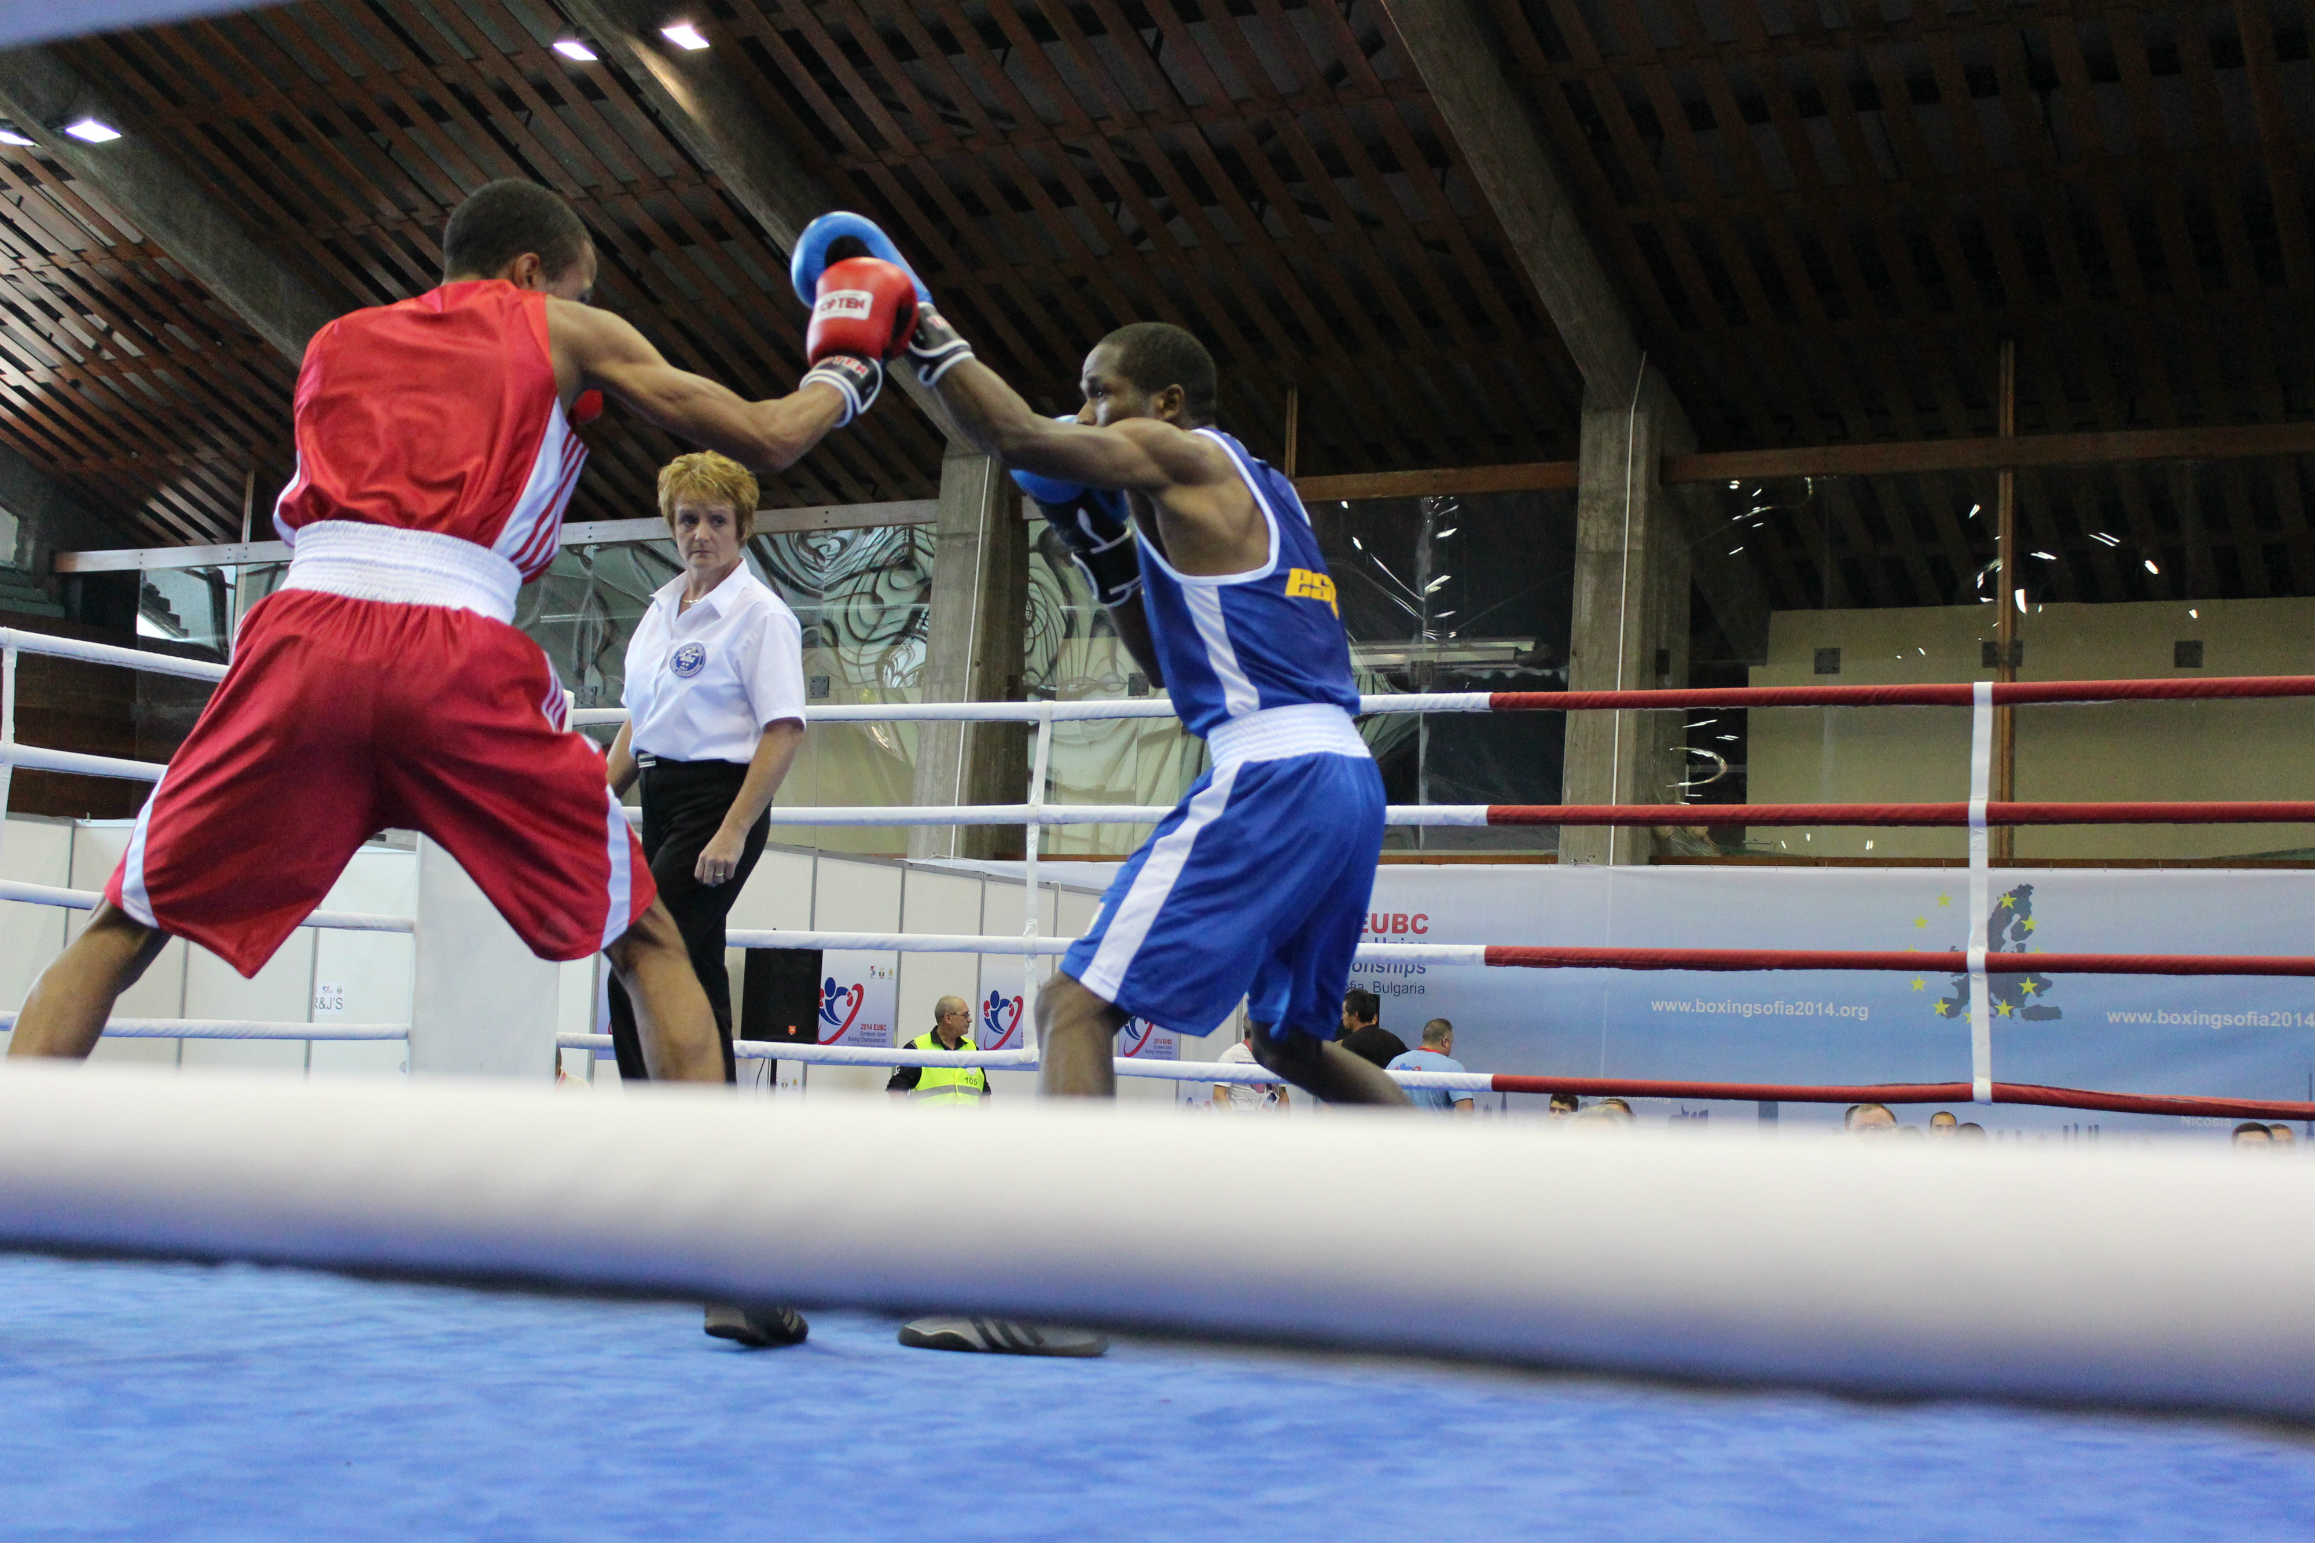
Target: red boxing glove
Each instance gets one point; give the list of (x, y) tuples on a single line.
[(865, 307)]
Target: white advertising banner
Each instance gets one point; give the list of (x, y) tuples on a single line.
[(859, 996), (2245, 1037), (1000, 1026), (1142, 1040)]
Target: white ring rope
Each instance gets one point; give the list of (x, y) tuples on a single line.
[(236, 1028), (2068, 1274), (87, 900), (1026, 1060)]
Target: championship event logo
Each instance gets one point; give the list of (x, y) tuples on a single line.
[(688, 659), (1000, 1020), (839, 1005), (2009, 929)]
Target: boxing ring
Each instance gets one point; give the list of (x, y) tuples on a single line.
[(1547, 1303)]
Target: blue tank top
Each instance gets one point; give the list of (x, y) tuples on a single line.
[(1239, 643)]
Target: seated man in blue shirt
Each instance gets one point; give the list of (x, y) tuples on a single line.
[(1434, 1056)]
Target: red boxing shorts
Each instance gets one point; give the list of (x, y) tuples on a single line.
[(341, 717)]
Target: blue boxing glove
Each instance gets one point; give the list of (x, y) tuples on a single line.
[(1094, 525), (934, 346)]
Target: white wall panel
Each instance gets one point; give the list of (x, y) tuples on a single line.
[(371, 969)]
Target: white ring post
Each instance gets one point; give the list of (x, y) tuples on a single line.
[(1980, 892), (1040, 757)]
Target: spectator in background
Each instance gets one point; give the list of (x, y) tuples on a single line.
[(1436, 1055), (2252, 1134), (1363, 1034), (951, 1030), (1562, 1106), (1246, 1096), (1969, 1130), (2280, 1135), (1943, 1123), (1868, 1117), (1608, 1111)]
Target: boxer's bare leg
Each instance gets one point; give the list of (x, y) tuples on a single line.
[(67, 1009), (1076, 1035), (672, 1017)]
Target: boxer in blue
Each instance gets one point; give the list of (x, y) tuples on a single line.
[(1256, 885)]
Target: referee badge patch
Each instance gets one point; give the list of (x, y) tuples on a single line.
[(688, 660)]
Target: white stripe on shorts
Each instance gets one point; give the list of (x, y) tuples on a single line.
[(622, 880), (134, 900), (1105, 976)]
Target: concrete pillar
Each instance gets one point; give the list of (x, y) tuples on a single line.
[(1632, 579), (974, 651)]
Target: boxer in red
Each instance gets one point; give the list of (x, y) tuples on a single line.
[(383, 684)]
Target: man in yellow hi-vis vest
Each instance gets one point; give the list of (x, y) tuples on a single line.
[(942, 1084)]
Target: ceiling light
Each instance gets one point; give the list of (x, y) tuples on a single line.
[(11, 137), (2048, 557), (1726, 739), (2019, 596), (1355, 544), (2099, 535), (1973, 509), (1435, 583), (1923, 652), (92, 131), (684, 35), (1346, 503), (1444, 534), (1733, 486), (2191, 611), (2150, 567), (572, 48), (1701, 723)]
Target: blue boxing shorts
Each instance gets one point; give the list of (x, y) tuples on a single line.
[(1255, 886)]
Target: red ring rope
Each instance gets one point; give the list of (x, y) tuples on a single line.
[(2203, 813), (1914, 1093), (2005, 694), (1937, 962)]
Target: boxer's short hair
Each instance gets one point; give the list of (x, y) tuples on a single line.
[(1155, 355), (501, 220), (706, 477)]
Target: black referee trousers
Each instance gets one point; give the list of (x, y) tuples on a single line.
[(684, 803)]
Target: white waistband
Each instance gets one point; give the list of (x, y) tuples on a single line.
[(1275, 733), (402, 567)]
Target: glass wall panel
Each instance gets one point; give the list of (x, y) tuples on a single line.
[(2176, 570), (861, 597), (1816, 581), (1464, 592)]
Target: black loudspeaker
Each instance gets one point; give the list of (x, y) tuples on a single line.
[(780, 995)]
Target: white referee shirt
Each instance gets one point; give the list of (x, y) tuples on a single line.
[(703, 683)]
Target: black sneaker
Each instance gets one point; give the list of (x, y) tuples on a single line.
[(1000, 1336), (758, 1328)]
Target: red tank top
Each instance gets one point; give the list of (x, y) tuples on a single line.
[(438, 414)]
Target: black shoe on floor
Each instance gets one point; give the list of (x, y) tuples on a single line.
[(1001, 1336), (758, 1328)]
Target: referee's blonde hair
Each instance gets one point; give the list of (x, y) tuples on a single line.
[(706, 477)]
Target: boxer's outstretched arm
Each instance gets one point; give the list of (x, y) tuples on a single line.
[(595, 348), (1142, 453)]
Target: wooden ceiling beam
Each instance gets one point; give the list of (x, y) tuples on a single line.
[(1488, 121), (726, 132), (38, 91)]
